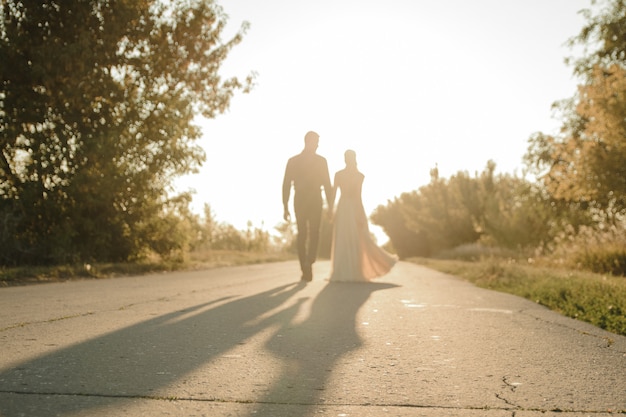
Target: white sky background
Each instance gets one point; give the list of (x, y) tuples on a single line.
[(407, 84)]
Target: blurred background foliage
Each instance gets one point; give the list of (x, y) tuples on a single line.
[(569, 206), (97, 108)]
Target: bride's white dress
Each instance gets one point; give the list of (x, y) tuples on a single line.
[(355, 256)]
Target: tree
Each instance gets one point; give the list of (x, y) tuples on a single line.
[(519, 214), (496, 210), (446, 212), (587, 162), (603, 37), (390, 217), (440, 215), (97, 104)]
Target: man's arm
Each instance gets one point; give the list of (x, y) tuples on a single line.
[(287, 180), (328, 189), (333, 196)]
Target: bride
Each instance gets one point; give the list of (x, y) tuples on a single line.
[(354, 254)]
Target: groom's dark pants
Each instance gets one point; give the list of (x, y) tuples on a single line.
[(308, 209)]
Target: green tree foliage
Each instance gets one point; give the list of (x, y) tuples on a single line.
[(97, 103), (391, 219), (445, 211), (497, 210), (209, 233), (603, 36), (521, 214), (586, 163)]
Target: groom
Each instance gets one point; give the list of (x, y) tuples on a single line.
[(308, 172)]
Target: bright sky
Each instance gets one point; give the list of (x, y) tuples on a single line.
[(407, 84)]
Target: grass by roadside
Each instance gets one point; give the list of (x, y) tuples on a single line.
[(595, 298), (197, 260)]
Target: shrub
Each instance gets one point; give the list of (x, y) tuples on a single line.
[(601, 251), (603, 260)]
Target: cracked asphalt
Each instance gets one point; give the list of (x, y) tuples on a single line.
[(254, 341)]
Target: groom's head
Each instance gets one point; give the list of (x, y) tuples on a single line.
[(311, 140)]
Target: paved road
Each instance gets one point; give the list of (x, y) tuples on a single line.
[(253, 341)]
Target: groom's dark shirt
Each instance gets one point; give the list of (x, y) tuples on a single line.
[(308, 172)]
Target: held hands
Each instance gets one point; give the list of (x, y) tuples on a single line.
[(330, 216)]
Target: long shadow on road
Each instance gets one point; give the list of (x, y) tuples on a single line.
[(309, 351), (140, 360)]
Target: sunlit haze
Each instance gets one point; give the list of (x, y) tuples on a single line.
[(407, 84)]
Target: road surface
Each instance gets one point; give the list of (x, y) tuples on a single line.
[(254, 341)]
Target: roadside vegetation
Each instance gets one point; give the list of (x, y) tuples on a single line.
[(207, 243), (599, 299), (206, 259)]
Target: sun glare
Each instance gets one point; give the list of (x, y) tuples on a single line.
[(406, 84)]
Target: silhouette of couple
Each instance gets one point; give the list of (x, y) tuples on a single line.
[(355, 257)]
